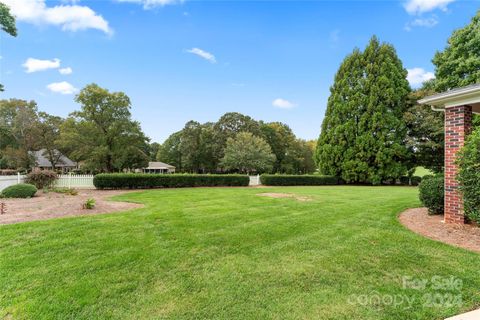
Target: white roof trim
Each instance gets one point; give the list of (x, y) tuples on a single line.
[(469, 95)]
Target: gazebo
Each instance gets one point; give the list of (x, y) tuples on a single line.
[(459, 105)]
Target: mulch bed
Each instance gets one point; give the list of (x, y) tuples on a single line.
[(432, 226), (54, 205)]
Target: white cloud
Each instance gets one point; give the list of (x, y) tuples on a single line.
[(417, 76), (65, 71), (149, 4), (422, 22), (34, 65), (283, 104), (68, 17), (421, 6), (62, 87), (203, 54)]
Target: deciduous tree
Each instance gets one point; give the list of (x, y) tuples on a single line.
[(102, 132), (247, 153)]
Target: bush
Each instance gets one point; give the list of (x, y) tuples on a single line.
[(298, 180), (41, 178), (21, 190), (432, 193), (469, 176), (145, 181)]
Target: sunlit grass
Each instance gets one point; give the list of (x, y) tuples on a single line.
[(226, 253)]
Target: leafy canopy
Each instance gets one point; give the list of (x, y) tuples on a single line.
[(247, 153), (458, 64)]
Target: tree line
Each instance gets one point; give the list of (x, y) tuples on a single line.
[(237, 143), (103, 137)]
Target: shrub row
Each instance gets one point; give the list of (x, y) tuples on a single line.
[(431, 193), (21, 190), (145, 181), (298, 180)]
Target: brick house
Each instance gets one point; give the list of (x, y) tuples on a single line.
[(459, 106)]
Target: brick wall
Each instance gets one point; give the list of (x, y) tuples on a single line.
[(458, 124)]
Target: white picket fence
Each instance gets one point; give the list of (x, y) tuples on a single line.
[(77, 181), (254, 180), (6, 181)]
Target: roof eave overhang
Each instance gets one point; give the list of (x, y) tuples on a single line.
[(442, 101)]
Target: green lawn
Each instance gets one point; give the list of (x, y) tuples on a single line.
[(422, 171), (225, 253)]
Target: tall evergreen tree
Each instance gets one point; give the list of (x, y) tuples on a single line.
[(363, 133)]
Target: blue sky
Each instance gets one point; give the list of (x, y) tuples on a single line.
[(196, 60)]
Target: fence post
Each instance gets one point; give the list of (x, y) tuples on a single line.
[(69, 180), (18, 177)]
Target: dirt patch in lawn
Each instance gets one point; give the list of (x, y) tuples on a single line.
[(432, 226), (54, 205), (284, 195)]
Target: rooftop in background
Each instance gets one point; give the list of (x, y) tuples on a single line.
[(42, 161), (469, 95), (159, 165)]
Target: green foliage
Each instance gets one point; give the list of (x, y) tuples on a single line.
[(298, 180), (247, 153), (425, 135), (89, 204), (431, 193), (458, 64), (201, 147), (21, 190), (7, 22), (18, 133), (363, 132), (102, 134), (48, 136), (469, 176), (41, 178), (170, 151), (144, 181)]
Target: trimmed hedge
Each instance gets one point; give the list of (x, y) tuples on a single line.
[(146, 181), (298, 180), (431, 193), (21, 190)]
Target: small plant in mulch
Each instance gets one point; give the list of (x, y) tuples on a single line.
[(89, 204)]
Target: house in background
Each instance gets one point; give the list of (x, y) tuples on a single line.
[(42, 162), (158, 167)]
